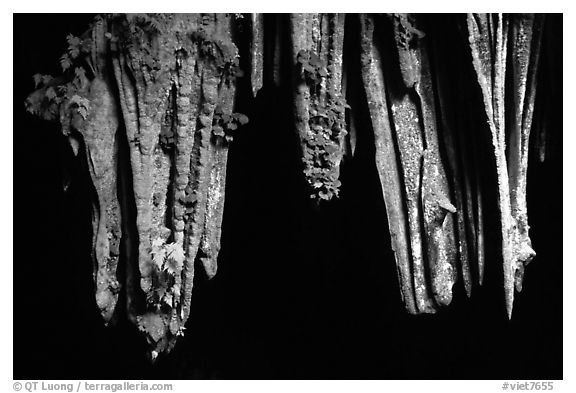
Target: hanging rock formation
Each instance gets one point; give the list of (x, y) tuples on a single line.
[(159, 90), (488, 35), (319, 106), (175, 82)]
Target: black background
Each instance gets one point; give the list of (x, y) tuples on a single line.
[(301, 292)]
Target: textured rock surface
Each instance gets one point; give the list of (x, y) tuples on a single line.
[(490, 65), (319, 103), (387, 164), (157, 92), (175, 81)]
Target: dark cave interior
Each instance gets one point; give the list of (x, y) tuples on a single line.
[(302, 291)]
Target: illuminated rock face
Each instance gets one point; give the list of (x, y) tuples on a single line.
[(147, 100), (165, 84), (511, 162)]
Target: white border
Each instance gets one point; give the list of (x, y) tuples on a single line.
[(6, 172)]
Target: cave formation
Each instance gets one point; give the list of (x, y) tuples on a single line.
[(148, 102)]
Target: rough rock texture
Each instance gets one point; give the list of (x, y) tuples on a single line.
[(150, 97), (257, 53), (175, 81), (319, 105), (388, 168), (99, 132), (525, 52), (415, 169), (488, 35)]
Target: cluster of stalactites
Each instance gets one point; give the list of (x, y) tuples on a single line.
[(493, 39), (435, 205), (426, 155), (428, 220), (157, 91)]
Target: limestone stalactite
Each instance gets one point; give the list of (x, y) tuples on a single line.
[(389, 171), (488, 35), (319, 106), (175, 78)]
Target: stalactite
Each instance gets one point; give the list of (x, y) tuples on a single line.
[(413, 292), (525, 52), (411, 147), (99, 132), (470, 165), (479, 226), (257, 53), (432, 186), (543, 140), (488, 37), (451, 139), (458, 139), (490, 64), (317, 45)]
